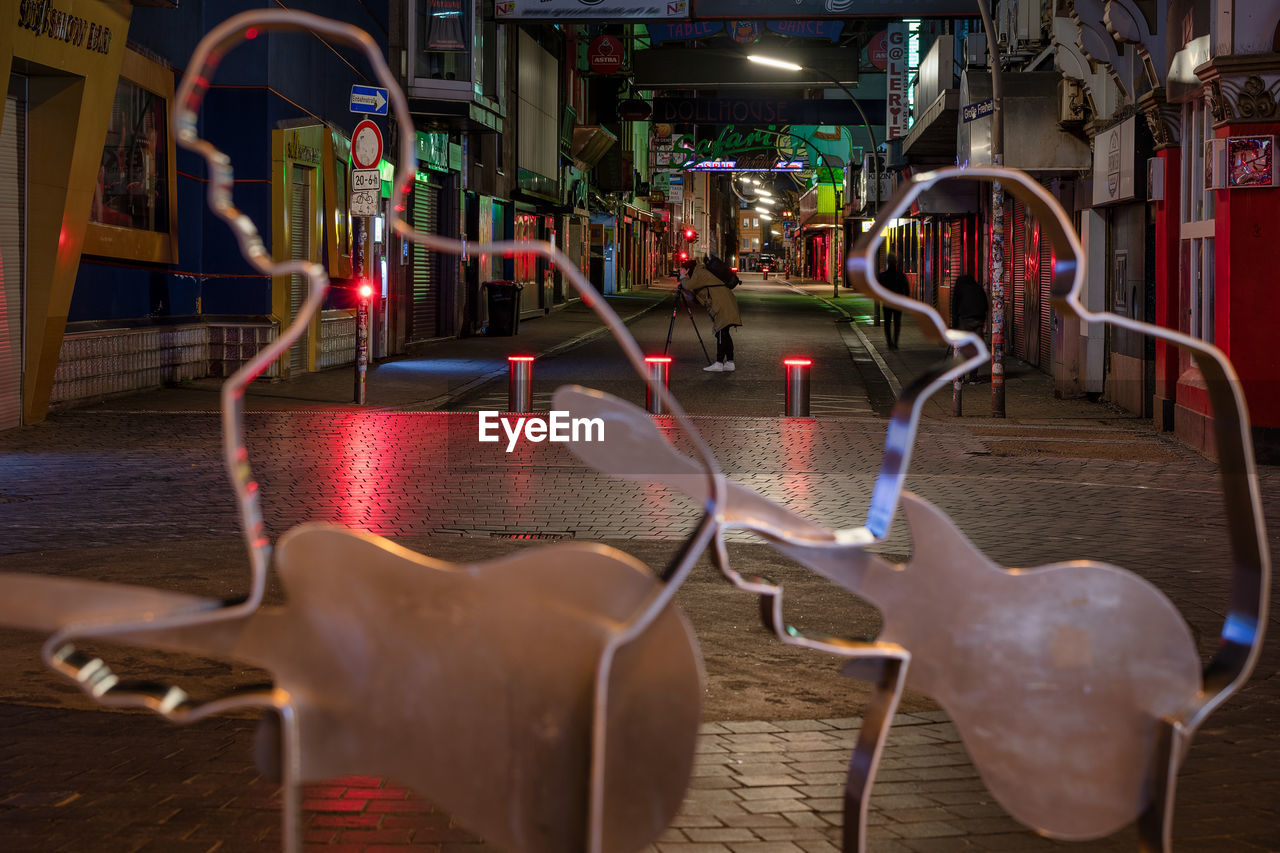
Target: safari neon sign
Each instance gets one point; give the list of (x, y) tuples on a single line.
[(752, 151)]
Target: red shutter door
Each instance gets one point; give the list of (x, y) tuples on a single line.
[(1046, 307), (1019, 253)]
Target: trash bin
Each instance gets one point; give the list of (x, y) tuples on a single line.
[(504, 307)]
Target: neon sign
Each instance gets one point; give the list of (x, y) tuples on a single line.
[(756, 150)]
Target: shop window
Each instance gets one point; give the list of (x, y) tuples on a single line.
[(132, 212), (1197, 227), (456, 49)]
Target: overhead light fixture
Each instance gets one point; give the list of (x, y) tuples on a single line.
[(773, 63), (762, 210), (765, 216), (763, 200), (766, 193)]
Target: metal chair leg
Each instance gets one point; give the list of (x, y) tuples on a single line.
[(888, 676)]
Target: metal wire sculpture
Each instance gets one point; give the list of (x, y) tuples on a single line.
[(1077, 686), (357, 664), (565, 671)]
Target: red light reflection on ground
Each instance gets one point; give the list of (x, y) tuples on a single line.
[(800, 459), (359, 469)]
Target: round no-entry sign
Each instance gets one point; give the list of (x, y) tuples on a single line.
[(366, 145)]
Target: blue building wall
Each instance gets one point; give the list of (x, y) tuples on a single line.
[(275, 78)]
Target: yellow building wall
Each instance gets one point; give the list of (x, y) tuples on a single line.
[(72, 59)]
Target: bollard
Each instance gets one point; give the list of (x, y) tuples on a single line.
[(520, 385), (797, 387), (658, 370)]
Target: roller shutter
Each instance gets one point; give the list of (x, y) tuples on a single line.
[(1046, 307), (12, 215), (424, 309), (1019, 254), (300, 249)]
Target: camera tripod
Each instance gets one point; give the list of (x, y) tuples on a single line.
[(679, 300)]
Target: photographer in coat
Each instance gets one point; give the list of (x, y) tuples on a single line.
[(721, 305)]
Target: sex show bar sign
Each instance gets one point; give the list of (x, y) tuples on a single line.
[(589, 10), (756, 111), (829, 30), (737, 9)]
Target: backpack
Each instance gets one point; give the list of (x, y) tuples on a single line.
[(722, 271)]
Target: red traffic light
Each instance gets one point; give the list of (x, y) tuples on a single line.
[(684, 256), (690, 234), (365, 290)]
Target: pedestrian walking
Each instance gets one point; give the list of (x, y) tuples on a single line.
[(894, 281), (721, 305), (971, 309)]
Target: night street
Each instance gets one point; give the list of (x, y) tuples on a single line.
[(639, 426), (133, 492)]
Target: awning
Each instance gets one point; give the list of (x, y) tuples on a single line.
[(590, 143), (932, 139)]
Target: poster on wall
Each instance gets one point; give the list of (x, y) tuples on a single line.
[(446, 26), (1251, 161)]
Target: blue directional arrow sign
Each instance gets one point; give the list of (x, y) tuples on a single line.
[(369, 100)]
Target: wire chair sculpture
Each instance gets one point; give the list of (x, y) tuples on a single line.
[(550, 699), (1076, 687)]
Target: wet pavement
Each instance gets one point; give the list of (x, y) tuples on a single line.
[(132, 490)]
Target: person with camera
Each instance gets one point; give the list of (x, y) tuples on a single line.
[(721, 305)]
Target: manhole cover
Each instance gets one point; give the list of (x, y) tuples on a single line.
[(13, 499), (530, 535)]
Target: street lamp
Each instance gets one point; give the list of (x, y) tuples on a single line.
[(838, 191), (791, 66), (875, 156)]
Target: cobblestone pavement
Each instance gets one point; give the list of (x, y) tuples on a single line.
[(1058, 480)]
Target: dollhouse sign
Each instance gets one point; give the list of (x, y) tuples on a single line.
[(43, 19)]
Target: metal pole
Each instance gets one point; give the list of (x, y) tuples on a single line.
[(364, 296), (797, 395), (997, 218), (362, 349), (659, 372), (520, 383)]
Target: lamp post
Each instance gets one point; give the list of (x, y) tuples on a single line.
[(791, 66)]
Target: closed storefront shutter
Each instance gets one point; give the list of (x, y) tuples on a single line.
[(1012, 260), (1046, 307), (955, 257), (299, 250), (424, 292), (1019, 254), (12, 205)]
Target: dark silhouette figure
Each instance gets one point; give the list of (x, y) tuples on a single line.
[(893, 280), (971, 309)]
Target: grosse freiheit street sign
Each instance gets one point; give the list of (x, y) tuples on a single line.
[(369, 100)]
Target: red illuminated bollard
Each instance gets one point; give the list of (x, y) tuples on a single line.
[(797, 405), (365, 296), (520, 384), (658, 370)]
